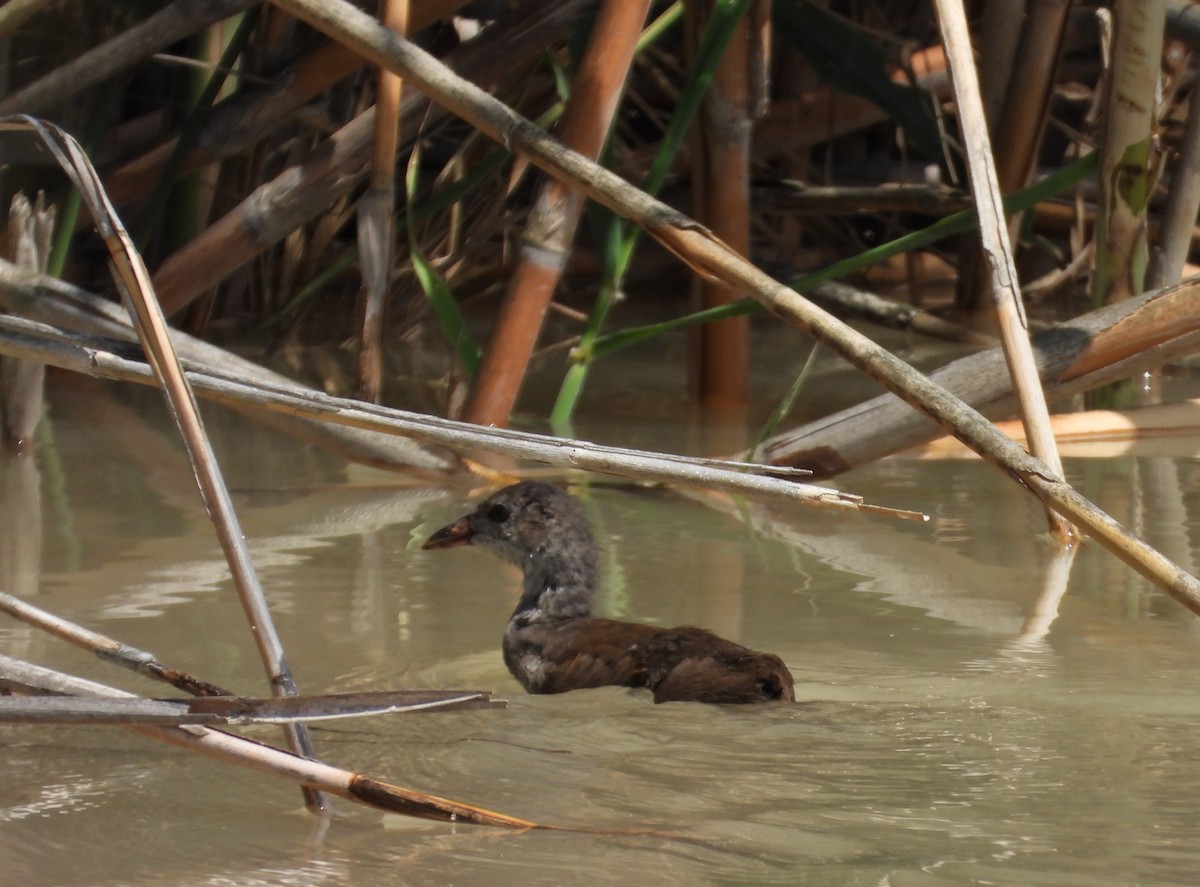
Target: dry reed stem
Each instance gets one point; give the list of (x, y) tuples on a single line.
[(28, 679), (133, 280), (1018, 133), (90, 356), (1108, 344), (312, 775), (997, 250), (701, 251), (1017, 128), (550, 227), (107, 648), (850, 302), (252, 115), (62, 305), (999, 36)]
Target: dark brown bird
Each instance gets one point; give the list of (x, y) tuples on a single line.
[(552, 644)]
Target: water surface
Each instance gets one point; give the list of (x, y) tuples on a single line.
[(960, 723)]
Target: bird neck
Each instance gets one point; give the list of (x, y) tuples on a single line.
[(557, 586)]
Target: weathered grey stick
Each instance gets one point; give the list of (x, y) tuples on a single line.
[(25, 338), (24, 677), (106, 648), (62, 305)]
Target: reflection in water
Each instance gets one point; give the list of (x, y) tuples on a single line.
[(976, 712), (20, 522)]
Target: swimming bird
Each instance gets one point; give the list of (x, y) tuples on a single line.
[(553, 644)]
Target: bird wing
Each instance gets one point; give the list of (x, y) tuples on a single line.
[(698, 666), (595, 653)]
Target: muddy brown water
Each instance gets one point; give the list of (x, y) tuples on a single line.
[(960, 722)]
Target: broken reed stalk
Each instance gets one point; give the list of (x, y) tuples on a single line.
[(233, 711), (707, 256), (376, 216), (25, 339), (312, 775), (133, 281), (997, 249), (550, 227), (107, 648), (28, 679)]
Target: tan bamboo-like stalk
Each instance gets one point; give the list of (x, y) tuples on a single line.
[(1129, 153), (305, 190), (997, 250), (722, 349), (1018, 133), (704, 253), (133, 281), (550, 229), (376, 212)]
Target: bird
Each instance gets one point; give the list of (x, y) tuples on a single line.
[(553, 644)]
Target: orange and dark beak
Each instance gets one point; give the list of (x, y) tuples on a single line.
[(451, 536)]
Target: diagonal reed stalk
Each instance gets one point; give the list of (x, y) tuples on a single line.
[(133, 280), (313, 776), (997, 249)]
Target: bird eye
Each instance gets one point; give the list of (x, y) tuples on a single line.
[(498, 513)]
